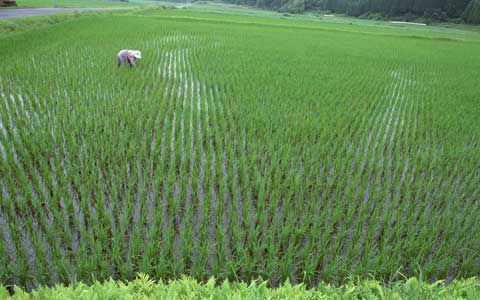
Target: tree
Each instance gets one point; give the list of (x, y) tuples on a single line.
[(455, 8), (8, 3), (293, 6), (472, 12)]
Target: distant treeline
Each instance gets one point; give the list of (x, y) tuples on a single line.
[(439, 10)]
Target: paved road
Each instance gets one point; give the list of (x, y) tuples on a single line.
[(26, 12)]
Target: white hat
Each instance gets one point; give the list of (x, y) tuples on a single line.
[(137, 54)]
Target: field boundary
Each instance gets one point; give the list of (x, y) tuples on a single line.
[(186, 288), (47, 11)]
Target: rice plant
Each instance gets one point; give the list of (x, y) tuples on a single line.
[(240, 148)]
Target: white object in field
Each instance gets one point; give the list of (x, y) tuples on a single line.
[(128, 57), (137, 54), (329, 15), (408, 23)]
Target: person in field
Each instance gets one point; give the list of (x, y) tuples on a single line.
[(128, 57)]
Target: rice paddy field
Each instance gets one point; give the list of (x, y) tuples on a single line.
[(240, 147)]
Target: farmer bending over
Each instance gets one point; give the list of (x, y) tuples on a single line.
[(128, 57)]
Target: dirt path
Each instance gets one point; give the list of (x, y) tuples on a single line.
[(27, 12)]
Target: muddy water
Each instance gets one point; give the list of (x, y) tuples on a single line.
[(5, 229)]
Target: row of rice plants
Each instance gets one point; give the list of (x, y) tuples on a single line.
[(222, 155)]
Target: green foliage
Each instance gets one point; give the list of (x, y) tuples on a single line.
[(240, 148), (435, 10), (472, 13), (186, 288), (293, 6)]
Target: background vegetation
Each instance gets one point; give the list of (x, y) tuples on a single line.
[(437, 10), (428, 11)]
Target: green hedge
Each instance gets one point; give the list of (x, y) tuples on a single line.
[(145, 288)]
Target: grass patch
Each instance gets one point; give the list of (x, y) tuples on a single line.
[(185, 288), (72, 3)]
